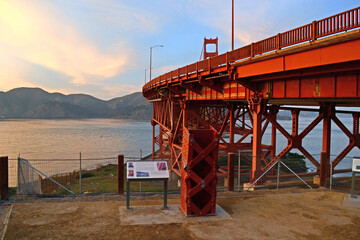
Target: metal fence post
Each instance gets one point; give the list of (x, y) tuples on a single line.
[(278, 175), (80, 190), (353, 185), (165, 193), (238, 181), (331, 175), (4, 178), (231, 163), (127, 194), (140, 183), (120, 174), (18, 174)]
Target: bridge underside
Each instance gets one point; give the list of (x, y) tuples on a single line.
[(239, 101), (242, 107)]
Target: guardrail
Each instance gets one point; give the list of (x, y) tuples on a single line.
[(331, 25)]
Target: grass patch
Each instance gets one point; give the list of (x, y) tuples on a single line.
[(104, 180)]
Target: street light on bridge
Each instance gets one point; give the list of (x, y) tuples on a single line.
[(145, 73), (151, 55), (232, 27)]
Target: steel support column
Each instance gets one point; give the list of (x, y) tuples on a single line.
[(231, 161), (256, 147), (257, 106), (153, 139), (325, 154), (231, 168), (198, 173)]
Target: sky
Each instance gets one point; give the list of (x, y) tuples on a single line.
[(102, 47)]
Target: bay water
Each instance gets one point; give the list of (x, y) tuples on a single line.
[(106, 138)]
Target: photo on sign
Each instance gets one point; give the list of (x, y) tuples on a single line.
[(131, 173), (142, 174), (161, 166), (131, 165)]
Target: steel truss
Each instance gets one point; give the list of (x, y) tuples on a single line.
[(243, 122), (233, 98)]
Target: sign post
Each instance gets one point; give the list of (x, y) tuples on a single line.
[(146, 171), (355, 168)]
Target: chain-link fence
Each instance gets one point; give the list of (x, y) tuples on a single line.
[(100, 175), (78, 176), (344, 183), (63, 176), (290, 171), (344, 180)]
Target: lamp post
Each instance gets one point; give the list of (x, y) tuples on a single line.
[(151, 55), (145, 74), (232, 31)]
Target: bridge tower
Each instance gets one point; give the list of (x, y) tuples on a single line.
[(208, 41), (223, 105)]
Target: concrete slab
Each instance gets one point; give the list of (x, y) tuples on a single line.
[(351, 202), (146, 215)]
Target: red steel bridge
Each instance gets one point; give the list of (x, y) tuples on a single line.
[(239, 93)]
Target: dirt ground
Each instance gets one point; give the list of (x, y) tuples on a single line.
[(263, 214)]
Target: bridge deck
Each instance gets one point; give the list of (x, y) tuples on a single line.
[(290, 68)]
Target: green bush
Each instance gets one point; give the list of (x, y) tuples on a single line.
[(295, 162)]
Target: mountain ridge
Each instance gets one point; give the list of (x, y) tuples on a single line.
[(36, 103)]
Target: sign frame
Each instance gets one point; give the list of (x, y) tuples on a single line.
[(143, 170), (156, 171), (356, 164)]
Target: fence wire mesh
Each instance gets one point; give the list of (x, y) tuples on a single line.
[(293, 170), (343, 184), (29, 181), (80, 176), (99, 175)]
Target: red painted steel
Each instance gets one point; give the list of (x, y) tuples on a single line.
[(120, 174), (208, 41), (230, 175), (312, 31), (328, 111), (239, 94), (198, 175), (4, 178)]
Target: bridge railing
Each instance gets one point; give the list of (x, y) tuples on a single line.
[(265, 45), (297, 35), (338, 23), (331, 25)]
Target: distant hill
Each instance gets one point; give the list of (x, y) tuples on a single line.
[(35, 103)]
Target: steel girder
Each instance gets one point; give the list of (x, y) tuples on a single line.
[(198, 173)]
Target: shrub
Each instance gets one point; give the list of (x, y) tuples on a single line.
[(295, 162)]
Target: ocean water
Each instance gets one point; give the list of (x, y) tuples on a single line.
[(313, 141), (58, 139), (106, 138), (44, 142)]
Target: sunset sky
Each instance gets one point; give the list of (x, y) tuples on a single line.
[(101, 47)]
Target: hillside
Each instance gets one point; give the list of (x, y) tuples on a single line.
[(35, 103)]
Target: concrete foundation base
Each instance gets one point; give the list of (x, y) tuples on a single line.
[(351, 201), (146, 215), (247, 185)]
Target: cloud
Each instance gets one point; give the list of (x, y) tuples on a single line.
[(124, 16), (161, 70), (120, 90), (254, 20), (38, 34)]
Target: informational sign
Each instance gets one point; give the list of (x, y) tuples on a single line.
[(356, 165), (147, 170)]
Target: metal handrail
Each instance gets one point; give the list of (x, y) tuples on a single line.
[(328, 26)]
